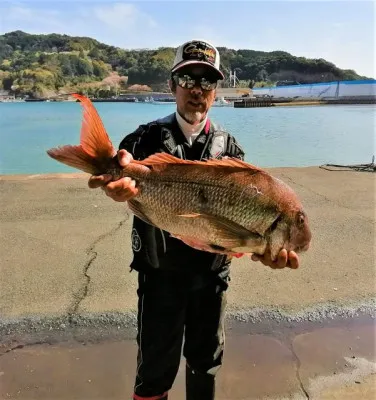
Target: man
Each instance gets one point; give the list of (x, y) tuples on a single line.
[(182, 291)]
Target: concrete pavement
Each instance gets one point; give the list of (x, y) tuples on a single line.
[(65, 251), (66, 248)]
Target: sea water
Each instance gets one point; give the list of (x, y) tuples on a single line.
[(294, 136)]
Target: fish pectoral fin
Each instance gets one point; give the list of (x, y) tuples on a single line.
[(136, 208), (202, 245), (232, 234)]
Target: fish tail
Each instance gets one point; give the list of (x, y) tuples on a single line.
[(75, 157), (95, 150)]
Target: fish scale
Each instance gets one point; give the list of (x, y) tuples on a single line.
[(185, 196)]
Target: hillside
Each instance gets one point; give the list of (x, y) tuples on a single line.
[(46, 65)]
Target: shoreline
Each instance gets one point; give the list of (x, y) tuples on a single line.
[(43, 176), (322, 313), (82, 175), (280, 102)]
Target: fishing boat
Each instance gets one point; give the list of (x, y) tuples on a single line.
[(222, 102), (163, 101)]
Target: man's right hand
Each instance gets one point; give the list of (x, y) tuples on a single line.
[(121, 190)]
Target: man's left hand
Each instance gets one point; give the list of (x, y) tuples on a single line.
[(284, 259)]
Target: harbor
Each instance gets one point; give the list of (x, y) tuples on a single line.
[(330, 93)]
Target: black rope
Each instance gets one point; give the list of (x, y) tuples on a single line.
[(371, 167)]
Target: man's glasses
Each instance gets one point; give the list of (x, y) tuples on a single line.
[(188, 82)]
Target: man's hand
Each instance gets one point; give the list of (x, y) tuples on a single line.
[(285, 259), (121, 190)]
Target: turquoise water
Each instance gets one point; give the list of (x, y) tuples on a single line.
[(275, 136)]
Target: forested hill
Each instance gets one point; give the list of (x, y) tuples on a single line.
[(44, 65)]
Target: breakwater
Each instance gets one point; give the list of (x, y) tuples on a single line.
[(324, 90), (270, 102)]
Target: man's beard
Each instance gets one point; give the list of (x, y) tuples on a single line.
[(194, 117)]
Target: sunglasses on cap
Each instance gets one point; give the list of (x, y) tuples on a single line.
[(188, 82)]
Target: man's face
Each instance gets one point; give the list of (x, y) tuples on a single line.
[(193, 104)]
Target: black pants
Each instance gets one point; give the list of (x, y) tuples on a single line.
[(172, 306)]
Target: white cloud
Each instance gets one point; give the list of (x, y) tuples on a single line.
[(123, 16)]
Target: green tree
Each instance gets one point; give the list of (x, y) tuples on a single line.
[(62, 62)]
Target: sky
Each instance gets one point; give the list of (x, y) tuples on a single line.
[(342, 32)]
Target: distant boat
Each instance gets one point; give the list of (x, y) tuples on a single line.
[(118, 99), (162, 101), (33, 100), (222, 102)]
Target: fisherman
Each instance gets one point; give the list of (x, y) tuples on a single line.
[(181, 290)]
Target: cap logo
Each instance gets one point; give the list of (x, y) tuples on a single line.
[(199, 51)]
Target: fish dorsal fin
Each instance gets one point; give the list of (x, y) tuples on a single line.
[(94, 139), (165, 158), (232, 162), (162, 158)]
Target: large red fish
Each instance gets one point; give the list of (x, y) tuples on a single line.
[(224, 206)]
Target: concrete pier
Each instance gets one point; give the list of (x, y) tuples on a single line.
[(68, 300)]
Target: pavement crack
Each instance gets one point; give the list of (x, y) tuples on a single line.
[(298, 377), (81, 294), (312, 191), (285, 177), (22, 346)]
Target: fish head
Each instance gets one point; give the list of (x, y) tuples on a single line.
[(300, 233)]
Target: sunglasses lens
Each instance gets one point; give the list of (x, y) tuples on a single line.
[(187, 82), (207, 84)]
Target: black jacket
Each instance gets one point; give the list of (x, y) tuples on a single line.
[(153, 247)]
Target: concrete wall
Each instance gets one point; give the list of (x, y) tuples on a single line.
[(321, 90)]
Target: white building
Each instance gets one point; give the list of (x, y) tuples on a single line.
[(327, 90)]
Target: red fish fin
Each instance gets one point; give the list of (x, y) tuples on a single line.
[(232, 235), (75, 157), (204, 246), (94, 138), (162, 158), (232, 229), (233, 162), (193, 215), (137, 210), (165, 158), (199, 245)]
